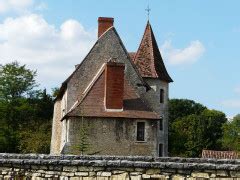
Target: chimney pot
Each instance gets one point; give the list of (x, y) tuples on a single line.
[(104, 23)]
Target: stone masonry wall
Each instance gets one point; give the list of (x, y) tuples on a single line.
[(39, 167)]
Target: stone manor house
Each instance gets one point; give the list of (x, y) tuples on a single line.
[(121, 97)]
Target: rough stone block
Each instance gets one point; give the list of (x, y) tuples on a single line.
[(89, 178), (70, 168), (139, 169), (70, 174), (104, 174), (222, 173), (235, 174), (153, 171), (36, 174), (146, 176), (102, 178), (75, 178), (81, 173), (118, 172), (158, 176), (5, 169), (83, 168), (135, 173), (53, 172), (200, 175), (178, 177), (49, 175), (139, 177), (98, 169), (55, 168), (122, 176)]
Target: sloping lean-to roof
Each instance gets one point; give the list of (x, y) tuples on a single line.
[(92, 105)]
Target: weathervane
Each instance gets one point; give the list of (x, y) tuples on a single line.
[(148, 10)]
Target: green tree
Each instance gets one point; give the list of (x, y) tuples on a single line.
[(231, 134), (178, 109), (24, 111), (35, 135), (183, 107), (16, 81), (194, 132), (193, 127)]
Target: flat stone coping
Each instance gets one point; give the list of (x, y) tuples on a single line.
[(14, 160)]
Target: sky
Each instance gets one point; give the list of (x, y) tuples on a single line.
[(199, 41)]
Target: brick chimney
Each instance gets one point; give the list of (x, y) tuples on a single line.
[(114, 86), (104, 23)]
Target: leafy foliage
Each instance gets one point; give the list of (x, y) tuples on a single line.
[(193, 128), (15, 81), (25, 113), (231, 134)]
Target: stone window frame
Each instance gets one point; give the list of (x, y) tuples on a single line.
[(136, 134)]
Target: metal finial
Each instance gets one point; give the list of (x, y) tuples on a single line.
[(148, 10)]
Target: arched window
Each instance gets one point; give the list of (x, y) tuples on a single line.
[(161, 96)]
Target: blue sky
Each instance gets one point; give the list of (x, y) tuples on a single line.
[(199, 40)]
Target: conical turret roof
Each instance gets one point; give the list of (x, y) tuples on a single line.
[(148, 58)]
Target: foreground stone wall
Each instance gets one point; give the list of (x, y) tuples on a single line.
[(39, 167)]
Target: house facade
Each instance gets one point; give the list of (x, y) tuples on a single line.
[(120, 99)]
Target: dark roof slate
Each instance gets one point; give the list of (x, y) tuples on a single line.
[(148, 58)]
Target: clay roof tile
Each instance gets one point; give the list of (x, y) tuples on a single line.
[(148, 58)]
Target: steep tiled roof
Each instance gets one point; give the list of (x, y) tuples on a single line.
[(148, 58), (132, 55), (219, 154), (104, 37), (93, 103)]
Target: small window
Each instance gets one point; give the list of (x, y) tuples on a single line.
[(161, 96), (140, 131), (161, 124), (160, 150)]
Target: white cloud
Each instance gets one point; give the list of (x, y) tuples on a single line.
[(237, 90), (14, 5), (232, 103), (53, 51), (186, 55)]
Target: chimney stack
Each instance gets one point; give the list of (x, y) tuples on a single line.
[(114, 86), (104, 23)]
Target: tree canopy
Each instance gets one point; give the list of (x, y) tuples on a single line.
[(193, 127), (231, 134), (25, 112)]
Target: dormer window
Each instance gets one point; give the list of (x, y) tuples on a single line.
[(161, 96)]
